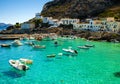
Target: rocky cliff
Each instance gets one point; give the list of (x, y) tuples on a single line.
[(76, 8)]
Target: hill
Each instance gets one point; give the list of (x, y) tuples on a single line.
[(78, 8), (4, 26), (113, 11)]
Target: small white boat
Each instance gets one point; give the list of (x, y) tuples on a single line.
[(17, 43), (26, 61), (5, 45), (18, 65), (60, 54), (31, 38), (83, 47), (39, 46), (51, 56), (29, 43), (69, 50), (88, 45)]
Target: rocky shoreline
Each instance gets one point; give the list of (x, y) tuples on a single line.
[(96, 36), (100, 36)]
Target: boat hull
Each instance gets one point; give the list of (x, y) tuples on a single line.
[(18, 65)]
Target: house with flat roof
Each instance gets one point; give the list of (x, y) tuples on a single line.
[(110, 19), (38, 16), (87, 26), (68, 21)]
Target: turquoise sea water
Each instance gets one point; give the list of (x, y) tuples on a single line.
[(98, 65)]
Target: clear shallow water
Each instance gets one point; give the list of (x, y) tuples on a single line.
[(94, 66)]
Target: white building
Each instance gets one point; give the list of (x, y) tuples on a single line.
[(54, 22), (38, 16), (51, 21), (110, 19), (27, 25), (87, 26), (108, 24), (113, 26), (67, 21), (46, 19)]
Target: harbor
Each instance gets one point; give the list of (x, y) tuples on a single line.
[(53, 65)]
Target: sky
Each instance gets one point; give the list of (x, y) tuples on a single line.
[(12, 11)]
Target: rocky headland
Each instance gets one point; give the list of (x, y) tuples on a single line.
[(80, 8)]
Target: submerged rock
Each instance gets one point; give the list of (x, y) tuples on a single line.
[(117, 74)]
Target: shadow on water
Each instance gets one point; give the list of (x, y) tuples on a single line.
[(68, 54), (14, 73), (60, 57), (117, 74), (49, 59), (37, 49)]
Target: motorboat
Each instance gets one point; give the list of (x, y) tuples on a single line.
[(39, 46), (69, 50), (60, 54), (25, 38), (26, 61), (88, 45), (83, 47), (5, 45), (29, 43), (31, 38), (17, 43), (18, 65), (51, 56)]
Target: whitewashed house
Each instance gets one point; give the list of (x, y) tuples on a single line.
[(46, 19), (113, 26), (54, 22), (51, 21), (87, 26), (38, 16), (68, 21), (110, 19), (27, 25)]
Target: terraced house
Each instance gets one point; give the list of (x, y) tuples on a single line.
[(89, 25), (107, 24)]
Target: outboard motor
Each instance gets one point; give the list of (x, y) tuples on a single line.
[(24, 68), (76, 51), (33, 43), (56, 42)]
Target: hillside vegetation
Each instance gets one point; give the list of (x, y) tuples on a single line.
[(81, 8), (113, 11)]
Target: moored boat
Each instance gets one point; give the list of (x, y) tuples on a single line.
[(18, 65), (26, 61), (51, 56), (5, 45), (31, 38), (60, 54), (88, 45), (83, 47), (17, 43), (29, 43), (39, 46), (69, 50)]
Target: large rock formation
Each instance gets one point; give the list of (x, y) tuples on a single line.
[(76, 8)]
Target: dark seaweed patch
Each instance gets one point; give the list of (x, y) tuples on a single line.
[(117, 74)]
